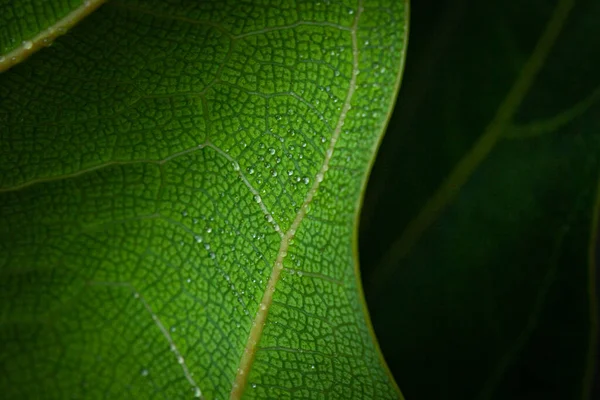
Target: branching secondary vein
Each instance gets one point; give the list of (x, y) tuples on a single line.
[(180, 360)]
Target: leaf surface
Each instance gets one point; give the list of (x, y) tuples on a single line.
[(489, 233), (179, 190)]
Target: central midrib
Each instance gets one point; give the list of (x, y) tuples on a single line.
[(243, 371)]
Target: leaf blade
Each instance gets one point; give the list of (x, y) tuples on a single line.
[(158, 191)]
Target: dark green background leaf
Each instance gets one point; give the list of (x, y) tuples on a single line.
[(491, 299)]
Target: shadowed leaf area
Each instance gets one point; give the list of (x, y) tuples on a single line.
[(179, 190), (478, 232)]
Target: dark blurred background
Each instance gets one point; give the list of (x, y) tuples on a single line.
[(493, 299)]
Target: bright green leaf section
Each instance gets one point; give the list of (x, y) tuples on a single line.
[(179, 189), (28, 25), (491, 293)]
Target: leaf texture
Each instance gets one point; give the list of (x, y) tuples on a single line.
[(179, 190)]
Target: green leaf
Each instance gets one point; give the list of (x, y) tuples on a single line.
[(179, 194), (28, 25), (487, 283)]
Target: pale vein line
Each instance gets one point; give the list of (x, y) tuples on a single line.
[(98, 167), (212, 24), (258, 324), (203, 22), (465, 168), (549, 125), (268, 215), (161, 327), (291, 26), (44, 38), (256, 195), (316, 275)]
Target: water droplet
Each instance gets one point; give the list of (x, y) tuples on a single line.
[(257, 198), (212, 255), (207, 246), (312, 367), (290, 172), (184, 213), (144, 372), (271, 151), (198, 238), (173, 329), (299, 273), (197, 392), (253, 386), (250, 170), (337, 73), (208, 229), (263, 306), (180, 360), (319, 177), (236, 166), (27, 45), (273, 173), (350, 11), (305, 180)]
